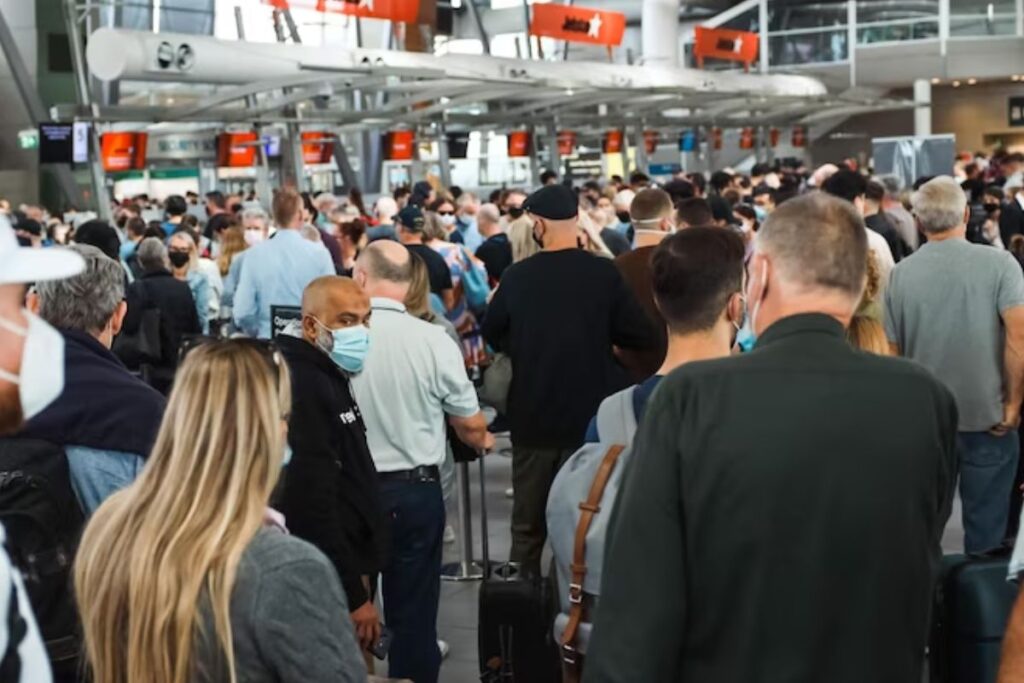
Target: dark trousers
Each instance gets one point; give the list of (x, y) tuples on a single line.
[(533, 470), (988, 466), (411, 583)]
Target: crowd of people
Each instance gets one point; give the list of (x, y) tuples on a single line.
[(236, 424)]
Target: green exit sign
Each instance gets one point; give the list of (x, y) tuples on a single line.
[(28, 139)]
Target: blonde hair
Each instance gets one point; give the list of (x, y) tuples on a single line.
[(232, 243), (157, 551), (866, 332), (193, 249), (520, 237), (417, 300), (591, 234)]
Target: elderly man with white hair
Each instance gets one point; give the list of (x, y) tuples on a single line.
[(958, 309), (384, 211)]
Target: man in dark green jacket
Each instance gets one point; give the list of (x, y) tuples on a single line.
[(782, 512)]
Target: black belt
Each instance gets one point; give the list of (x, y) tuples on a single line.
[(421, 474)]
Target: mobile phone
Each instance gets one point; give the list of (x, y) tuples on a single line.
[(383, 644)]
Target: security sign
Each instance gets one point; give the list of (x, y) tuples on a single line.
[(578, 24)]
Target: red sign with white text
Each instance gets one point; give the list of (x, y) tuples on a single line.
[(723, 43), (748, 138), (519, 143), (566, 142), (317, 147), (398, 145), (651, 138), (578, 24), (407, 11), (236, 150), (613, 142), (123, 151), (799, 136)]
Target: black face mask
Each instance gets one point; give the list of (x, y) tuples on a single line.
[(623, 216), (178, 258), (515, 212), (991, 207)]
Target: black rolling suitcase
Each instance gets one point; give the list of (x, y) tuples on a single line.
[(515, 618), (973, 601)]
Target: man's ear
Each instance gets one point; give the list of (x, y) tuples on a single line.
[(117, 320)]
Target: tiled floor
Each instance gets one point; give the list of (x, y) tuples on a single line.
[(457, 618)]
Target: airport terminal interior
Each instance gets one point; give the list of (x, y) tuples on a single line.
[(513, 341)]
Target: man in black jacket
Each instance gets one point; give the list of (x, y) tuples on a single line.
[(330, 496), (781, 515)]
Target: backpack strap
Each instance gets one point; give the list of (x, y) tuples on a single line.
[(616, 418), (10, 663), (588, 509)]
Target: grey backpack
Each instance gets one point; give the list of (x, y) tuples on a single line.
[(579, 507)]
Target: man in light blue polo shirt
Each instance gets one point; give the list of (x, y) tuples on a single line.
[(413, 380), (276, 272)]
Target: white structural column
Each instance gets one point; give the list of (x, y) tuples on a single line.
[(659, 32), (923, 110)]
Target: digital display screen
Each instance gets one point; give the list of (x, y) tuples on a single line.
[(56, 142)]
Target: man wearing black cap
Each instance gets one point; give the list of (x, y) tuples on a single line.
[(558, 314), (410, 223)]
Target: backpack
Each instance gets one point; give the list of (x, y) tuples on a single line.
[(43, 520), (579, 506), (474, 283)]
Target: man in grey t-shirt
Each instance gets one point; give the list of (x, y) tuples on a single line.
[(958, 309)]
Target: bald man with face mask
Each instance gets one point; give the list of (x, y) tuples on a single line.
[(331, 496)]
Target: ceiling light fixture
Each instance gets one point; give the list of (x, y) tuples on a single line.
[(956, 84), (972, 81), (936, 81)]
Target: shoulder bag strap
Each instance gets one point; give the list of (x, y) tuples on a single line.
[(590, 507), (10, 663)]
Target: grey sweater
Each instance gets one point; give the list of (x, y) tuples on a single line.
[(289, 619)]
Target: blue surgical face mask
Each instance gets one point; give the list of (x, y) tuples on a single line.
[(760, 212), (746, 337), (347, 347)]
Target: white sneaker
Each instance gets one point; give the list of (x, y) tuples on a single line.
[(443, 646), (449, 534), (510, 493)]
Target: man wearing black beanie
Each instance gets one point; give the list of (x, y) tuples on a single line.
[(559, 314)]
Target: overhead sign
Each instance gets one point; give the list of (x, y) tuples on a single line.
[(799, 136), (285, 319), (566, 142), (519, 143), (28, 139), (748, 138), (123, 151), (688, 141), (578, 24), (612, 142), (398, 145), (181, 147), (236, 150), (727, 44), (586, 166), (1016, 107), (651, 139), (407, 11), (317, 147), (63, 143)]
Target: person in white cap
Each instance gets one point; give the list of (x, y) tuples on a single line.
[(29, 381)]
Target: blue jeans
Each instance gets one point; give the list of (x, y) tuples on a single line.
[(988, 465), (411, 581)]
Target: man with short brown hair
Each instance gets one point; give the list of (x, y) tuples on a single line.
[(276, 271)]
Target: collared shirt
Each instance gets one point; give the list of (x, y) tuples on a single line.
[(414, 375), (275, 274), (467, 230)]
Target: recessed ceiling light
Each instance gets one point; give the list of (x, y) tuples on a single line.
[(936, 81), (972, 81), (956, 84), (170, 100)]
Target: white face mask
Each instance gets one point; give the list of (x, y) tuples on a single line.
[(448, 220), (253, 236), (42, 364)]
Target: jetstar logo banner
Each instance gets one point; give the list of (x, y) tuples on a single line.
[(407, 11), (578, 24), (721, 43)]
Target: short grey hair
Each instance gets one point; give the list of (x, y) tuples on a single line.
[(256, 214), (377, 266), (87, 301), (488, 213), (311, 233), (939, 205), (893, 184), (152, 255), (817, 241)]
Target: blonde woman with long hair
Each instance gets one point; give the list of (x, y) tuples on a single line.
[(520, 237), (866, 332), (180, 577)]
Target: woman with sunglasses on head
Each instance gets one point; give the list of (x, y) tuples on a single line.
[(180, 578)]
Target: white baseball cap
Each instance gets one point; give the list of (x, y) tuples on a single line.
[(22, 265)]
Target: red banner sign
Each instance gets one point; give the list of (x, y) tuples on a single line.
[(613, 142), (716, 138), (236, 150), (748, 138), (398, 145), (773, 136), (123, 151), (651, 139), (407, 11), (721, 43), (566, 142), (317, 147), (519, 143), (799, 136), (578, 24)]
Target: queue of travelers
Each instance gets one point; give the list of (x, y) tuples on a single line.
[(804, 370)]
